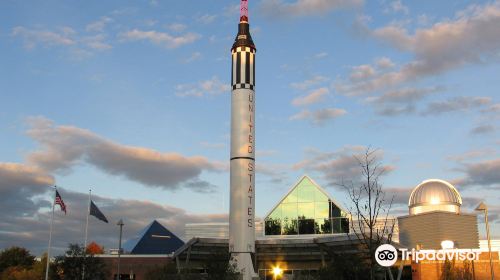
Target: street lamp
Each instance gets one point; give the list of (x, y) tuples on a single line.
[(277, 272), (120, 223), (484, 208), (447, 244)]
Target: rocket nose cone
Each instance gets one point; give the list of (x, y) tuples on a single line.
[(243, 39)]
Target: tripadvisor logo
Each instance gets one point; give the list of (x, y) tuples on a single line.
[(386, 255)]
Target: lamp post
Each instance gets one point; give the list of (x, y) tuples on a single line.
[(484, 208), (120, 223), (277, 272)]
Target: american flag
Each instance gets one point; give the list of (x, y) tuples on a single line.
[(60, 202)]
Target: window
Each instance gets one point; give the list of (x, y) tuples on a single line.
[(306, 210), (289, 226), (306, 226), (273, 227)]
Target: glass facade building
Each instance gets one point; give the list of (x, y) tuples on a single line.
[(306, 209)]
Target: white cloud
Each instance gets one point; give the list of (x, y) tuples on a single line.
[(62, 147), (405, 95), (362, 72), (483, 129), (485, 173), (494, 108), (395, 35), (397, 6), (280, 8), (33, 37), (19, 183), (213, 145), (318, 79), (321, 55), (97, 42), (232, 11), (160, 38), (265, 153), (78, 46), (423, 20), (23, 176), (255, 30), (471, 38), (312, 97), (319, 117), (338, 166), (177, 27), (475, 154), (99, 25), (384, 63), (277, 173), (203, 88), (462, 103), (400, 101), (194, 56), (206, 18), (33, 224)]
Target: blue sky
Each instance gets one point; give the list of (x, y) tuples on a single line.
[(131, 99)]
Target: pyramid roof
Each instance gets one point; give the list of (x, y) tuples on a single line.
[(153, 239)]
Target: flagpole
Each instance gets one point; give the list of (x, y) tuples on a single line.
[(87, 225), (86, 234), (50, 237)]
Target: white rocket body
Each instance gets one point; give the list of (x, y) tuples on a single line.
[(242, 166), (242, 170)]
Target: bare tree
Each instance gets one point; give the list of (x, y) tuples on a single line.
[(370, 210)]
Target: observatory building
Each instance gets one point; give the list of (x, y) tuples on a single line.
[(435, 216)]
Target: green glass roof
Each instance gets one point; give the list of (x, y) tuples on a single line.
[(306, 208)]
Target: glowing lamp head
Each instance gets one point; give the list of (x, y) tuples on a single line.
[(447, 244), (277, 271)]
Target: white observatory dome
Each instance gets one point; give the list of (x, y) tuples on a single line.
[(434, 195)]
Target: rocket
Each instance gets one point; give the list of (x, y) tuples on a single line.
[(242, 165)]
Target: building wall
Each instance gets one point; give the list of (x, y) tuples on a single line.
[(391, 223), (221, 230), (495, 244), (429, 270), (137, 265), (429, 229), (215, 230)]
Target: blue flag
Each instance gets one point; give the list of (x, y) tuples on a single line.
[(94, 211)]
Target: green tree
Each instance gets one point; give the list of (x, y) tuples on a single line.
[(70, 266), (344, 266), (20, 273), (220, 268), (23, 271), (216, 267), (16, 256)]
